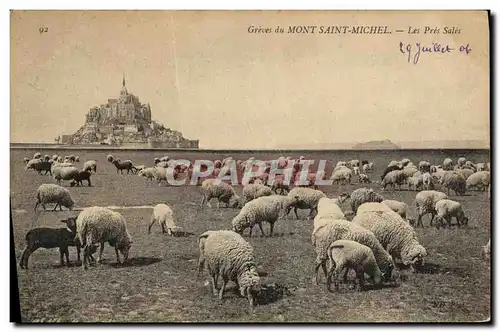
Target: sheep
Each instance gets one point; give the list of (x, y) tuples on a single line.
[(424, 166), (77, 159), (165, 159), (37, 155), (99, 225), (54, 157), (486, 251), (163, 214), (469, 164), (90, 165), (393, 178), (39, 166), (454, 181), (363, 195), (48, 238), (448, 164), (394, 163), (390, 169), (427, 181), (228, 256), (447, 209), (405, 162), (252, 191), (414, 182), (140, 167), (156, 160), (461, 162), (341, 174), (355, 170), (78, 178), (59, 159), (215, 188), (366, 168), (46, 157), (53, 193), (148, 173), (363, 178), (338, 229), (425, 202), (410, 170), (347, 254), (64, 173), (396, 236), (329, 209), (110, 158), (307, 199), (400, 208), (265, 208), (354, 163), (479, 180), (125, 164), (26, 160)]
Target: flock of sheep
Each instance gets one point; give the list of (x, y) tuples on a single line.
[(379, 232)]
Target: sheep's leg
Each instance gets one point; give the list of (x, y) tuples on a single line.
[(151, 224), (88, 180), (319, 262), (60, 207), (118, 255), (201, 264), (360, 277), (78, 250), (218, 204), (250, 233), (221, 292), (214, 284), (433, 214), (271, 226), (36, 205), (101, 249), (295, 210), (26, 255), (55, 207), (61, 256), (262, 234), (203, 199), (169, 232)]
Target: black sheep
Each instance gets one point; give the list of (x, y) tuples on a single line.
[(121, 165), (78, 179), (390, 169)]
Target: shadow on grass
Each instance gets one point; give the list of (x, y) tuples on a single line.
[(271, 293), (275, 234), (181, 234), (136, 261), (432, 268)]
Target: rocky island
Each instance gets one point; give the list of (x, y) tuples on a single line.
[(376, 145)]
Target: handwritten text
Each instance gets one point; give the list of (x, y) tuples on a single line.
[(413, 51)]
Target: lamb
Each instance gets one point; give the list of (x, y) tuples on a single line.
[(415, 182), (265, 208), (53, 193), (65, 173), (394, 178), (99, 225), (48, 238), (163, 214), (486, 251), (228, 256), (396, 236), (78, 178), (363, 178), (307, 199), (425, 202), (338, 229), (469, 164), (447, 209), (90, 165), (347, 254), (479, 180), (363, 195), (448, 164), (148, 173), (341, 174), (400, 208), (125, 164), (39, 166), (454, 181), (215, 188), (253, 191), (329, 209)]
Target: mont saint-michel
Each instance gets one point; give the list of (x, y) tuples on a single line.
[(125, 121)]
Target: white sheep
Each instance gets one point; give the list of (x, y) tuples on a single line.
[(363, 195), (363, 178), (215, 188), (410, 170), (427, 181), (341, 174), (393, 178), (163, 214), (90, 165), (228, 256), (400, 208), (394, 163), (97, 225), (415, 182), (396, 236), (338, 229), (479, 180), (455, 181), (64, 173), (481, 167), (331, 207), (425, 203), (53, 193), (37, 155), (446, 209), (148, 173), (355, 170), (252, 191), (366, 168), (448, 164), (347, 254), (307, 199), (265, 208)]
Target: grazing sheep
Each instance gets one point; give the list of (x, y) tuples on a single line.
[(394, 178), (48, 238), (59, 159), (253, 191), (405, 162), (486, 251), (395, 163), (90, 165), (65, 173), (390, 169), (148, 173), (330, 208), (99, 225), (354, 163), (54, 157), (215, 188), (78, 178), (415, 182), (396, 236), (341, 174), (53, 193), (307, 199), (46, 157), (165, 159), (363, 178), (469, 164), (39, 166), (125, 164), (338, 229), (363, 195), (454, 181), (425, 202), (447, 209), (479, 180), (228, 256), (265, 208), (400, 208), (163, 214), (347, 254), (409, 171)]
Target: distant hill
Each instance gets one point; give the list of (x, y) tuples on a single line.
[(376, 145)]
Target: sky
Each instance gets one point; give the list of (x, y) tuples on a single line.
[(206, 76)]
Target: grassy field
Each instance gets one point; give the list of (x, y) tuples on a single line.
[(160, 283)]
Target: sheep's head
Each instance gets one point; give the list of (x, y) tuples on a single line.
[(124, 248), (463, 219), (70, 224), (343, 197), (386, 269), (411, 221), (235, 202), (415, 257), (249, 282), (239, 223)]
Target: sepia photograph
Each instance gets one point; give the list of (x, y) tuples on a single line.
[(257, 166)]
